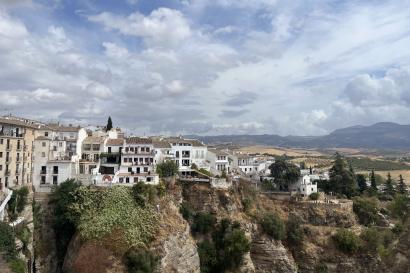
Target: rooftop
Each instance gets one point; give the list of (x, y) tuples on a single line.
[(115, 142), (93, 139), (138, 140), (12, 120), (161, 144)]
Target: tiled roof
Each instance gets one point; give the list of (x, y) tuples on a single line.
[(63, 128), (20, 122), (161, 144), (92, 139), (115, 142), (138, 140), (193, 142)]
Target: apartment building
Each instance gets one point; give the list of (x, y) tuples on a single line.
[(219, 160), (137, 161), (16, 145), (53, 155), (188, 152)]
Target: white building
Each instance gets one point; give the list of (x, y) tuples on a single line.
[(188, 152), (219, 161), (305, 186)]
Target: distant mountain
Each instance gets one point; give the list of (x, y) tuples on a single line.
[(383, 135)]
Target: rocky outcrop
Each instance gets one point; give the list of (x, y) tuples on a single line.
[(270, 256), (180, 254), (326, 216)]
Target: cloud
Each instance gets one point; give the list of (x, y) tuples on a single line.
[(233, 113), (241, 99), (163, 27)]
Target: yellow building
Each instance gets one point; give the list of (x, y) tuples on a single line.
[(16, 147)]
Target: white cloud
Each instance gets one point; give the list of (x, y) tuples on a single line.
[(163, 27)]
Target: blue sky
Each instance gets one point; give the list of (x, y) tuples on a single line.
[(207, 67)]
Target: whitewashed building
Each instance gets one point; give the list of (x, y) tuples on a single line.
[(188, 152), (305, 186)]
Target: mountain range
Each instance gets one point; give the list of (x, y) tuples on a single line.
[(383, 136)]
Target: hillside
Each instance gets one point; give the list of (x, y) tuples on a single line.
[(383, 136)]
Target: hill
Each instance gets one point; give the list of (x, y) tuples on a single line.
[(382, 136)]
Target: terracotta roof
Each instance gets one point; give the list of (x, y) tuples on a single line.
[(138, 140), (161, 144), (115, 141), (63, 128), (21, 122), (92, 139)]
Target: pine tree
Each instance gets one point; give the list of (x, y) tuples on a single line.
[(341, 180), (389, 188), (109, 124), (361, 182), (402, 187), (373, 183)]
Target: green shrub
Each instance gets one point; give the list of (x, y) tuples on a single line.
[(314, 196), (346, 241), (399, 207), (141, 261), (17, 202), (225, 251), (273, 226), (372, 237), (144, 193), (186, 211), (7, 241), (17, 266), (321, 268), (294, 230), (398, 228), (63, 220), (208, 256), (203, 222), (207, 173), (366, 210), (247, 204)]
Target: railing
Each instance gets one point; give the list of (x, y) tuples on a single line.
[(9, 147), (43, 172), (8, 159)]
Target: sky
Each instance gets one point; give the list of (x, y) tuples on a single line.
[(207, 67)]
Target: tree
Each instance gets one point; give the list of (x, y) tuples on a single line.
[(341, 179), (389, 187), (109, 124), (373, 183), (400, 207), (402, 187), (361, 182), (294, 230), (284, 173), (167, 168), (141, 261), (63, 221)]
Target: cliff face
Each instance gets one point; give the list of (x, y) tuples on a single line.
[(177, 249)]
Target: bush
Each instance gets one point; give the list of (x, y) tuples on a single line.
[(186, 211), (7, 241), (141, 261), (17, 266), (366, 210), (398, 228), (208, 256), (321, 268), (399, 207), (246, 203), (207, 173), (372, 238), (273, 226), (63, 221), (225, 251), (203, 222), (294, 230), (346, 241), (144, 194), (17, 202), (314, 196)]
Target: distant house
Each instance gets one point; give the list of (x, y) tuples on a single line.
[(305, 186)]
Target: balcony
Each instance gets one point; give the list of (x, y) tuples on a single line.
[(18, 159), (55, 172), (9, 147), (8, 159), (43, 172), (7, 172)]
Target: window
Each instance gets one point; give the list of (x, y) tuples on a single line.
[(145, 169), (1, 154), (6, 182), (127, 180), (121, 180), (55, 169), (148, 179), (43, 154), (43, 179), (60, 144), (1, 167), (125, 159), (1, 141), (46, 134), (82, 169), (43, 169), (43, 144), (55, 180), (129, 170)]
